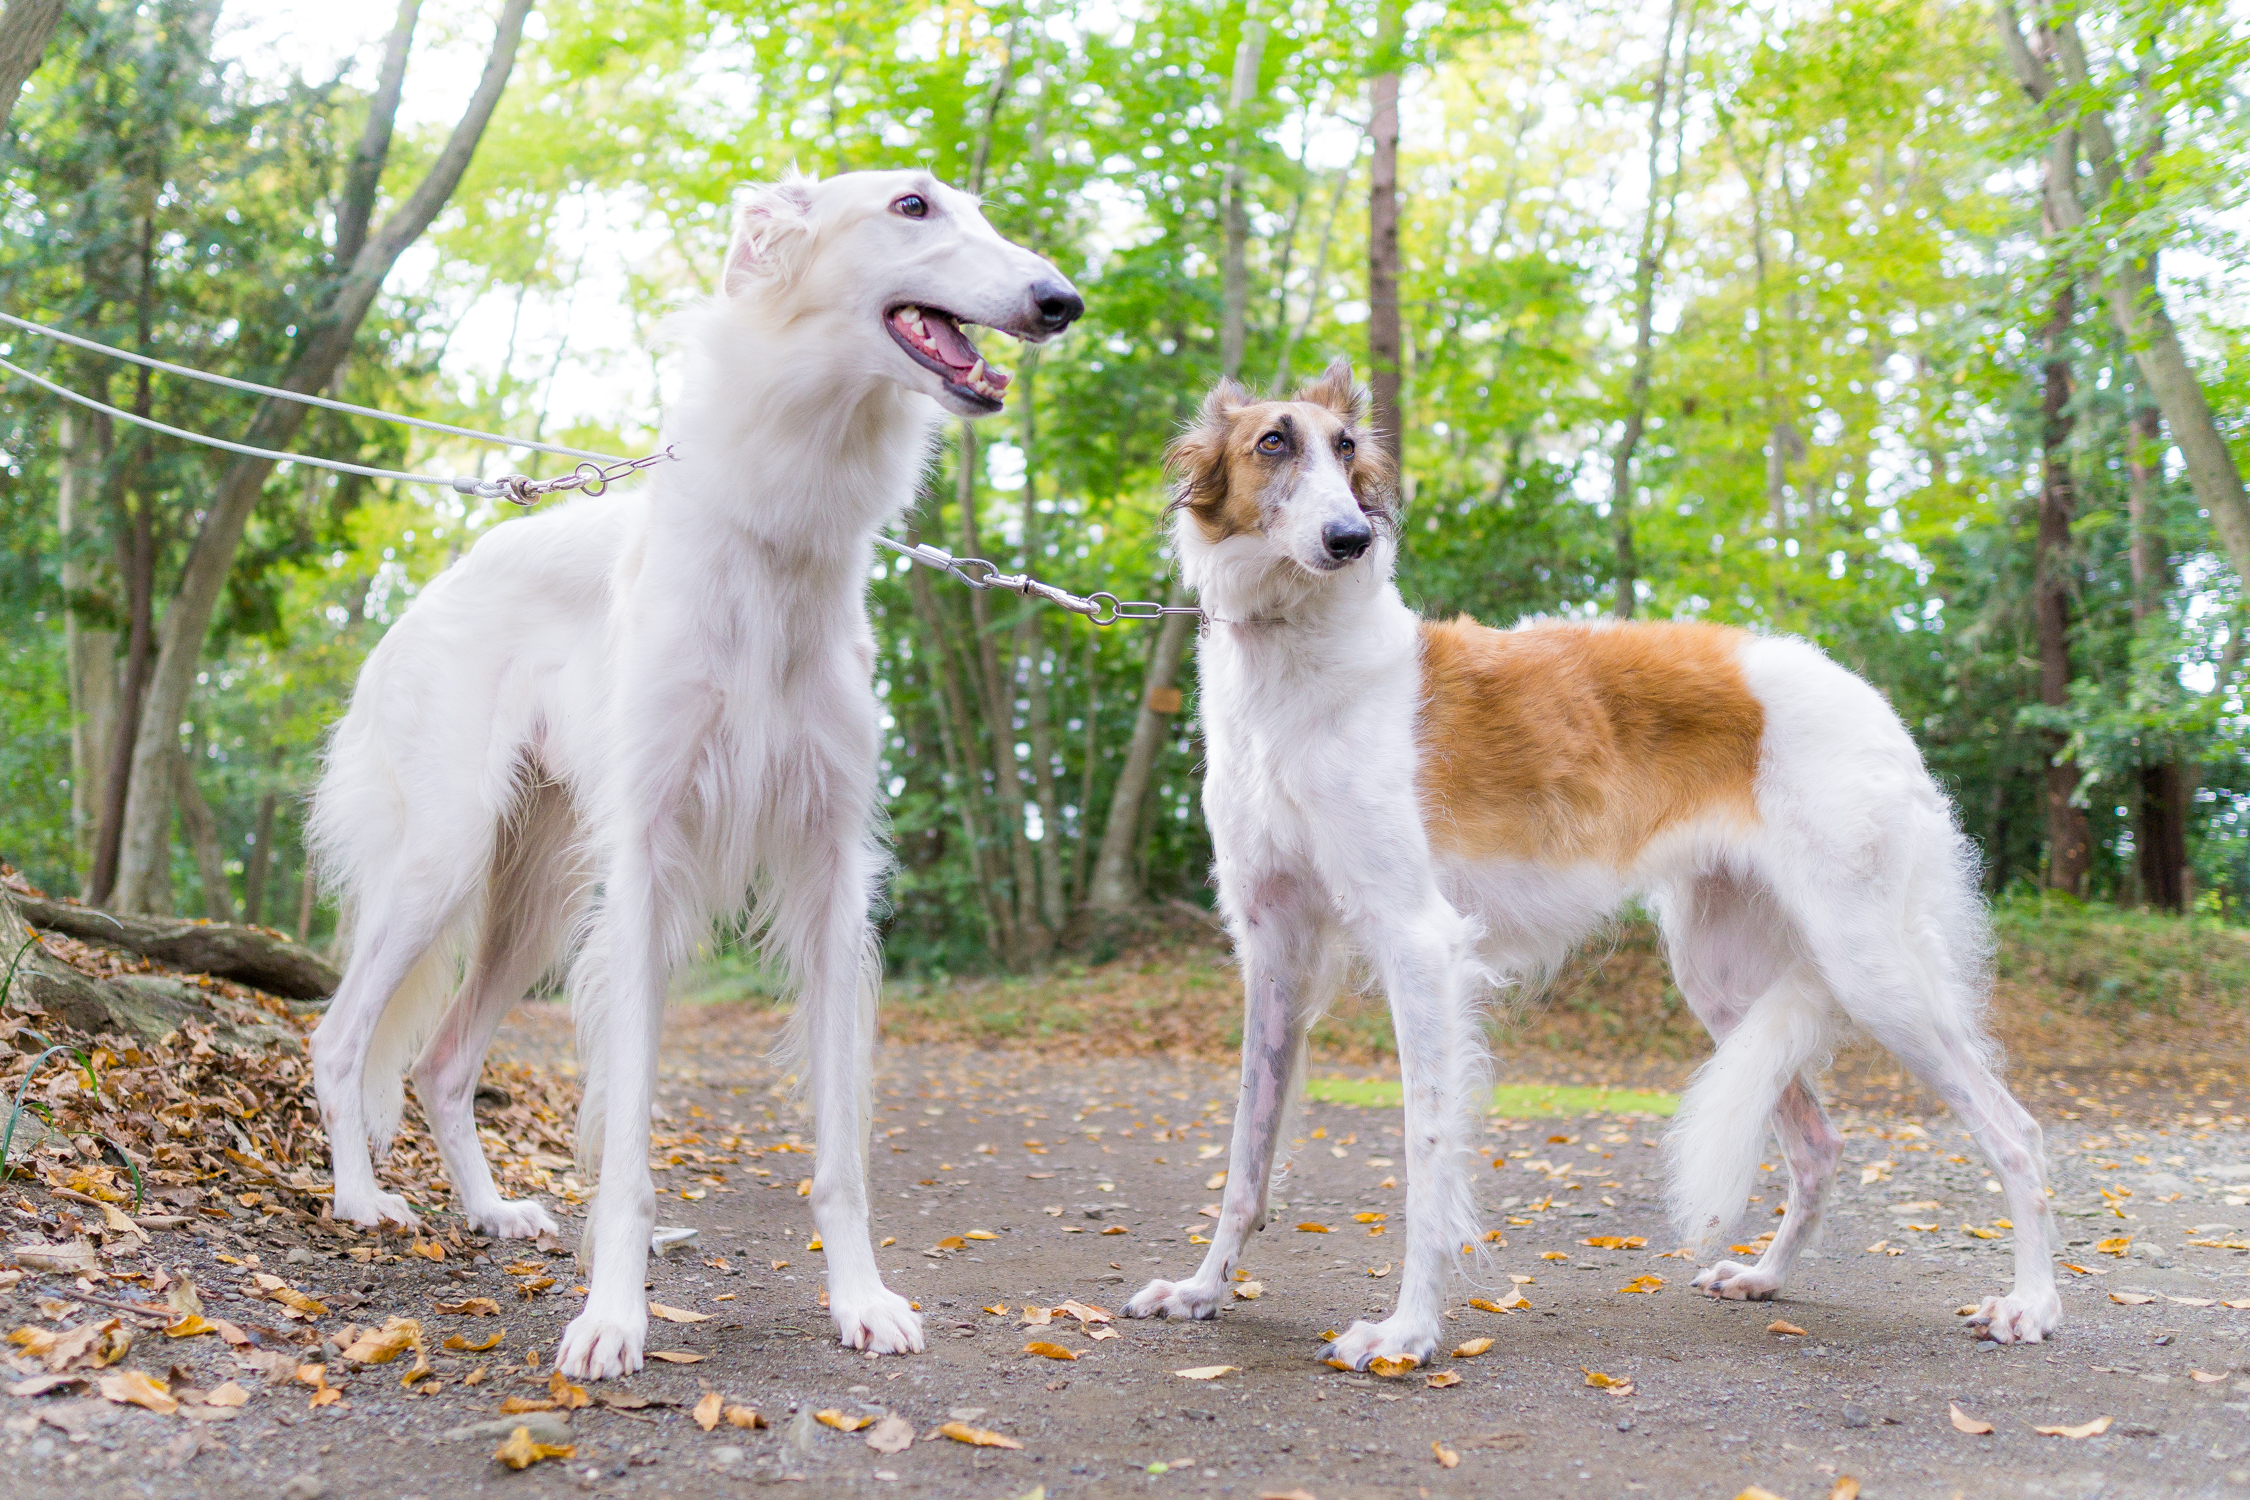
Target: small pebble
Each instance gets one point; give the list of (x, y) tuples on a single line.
[(1624, 1424), (1855, 1416), (726, 1455), (303, 1487)]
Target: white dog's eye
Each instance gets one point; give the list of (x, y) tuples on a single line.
[(913, 206), (1270, 443)]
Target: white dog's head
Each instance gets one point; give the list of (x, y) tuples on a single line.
[(896, 263), (1300, 482)]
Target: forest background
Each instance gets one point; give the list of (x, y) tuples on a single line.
[(1914, 327)]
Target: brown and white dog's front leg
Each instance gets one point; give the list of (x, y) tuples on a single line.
[(1285, 973)]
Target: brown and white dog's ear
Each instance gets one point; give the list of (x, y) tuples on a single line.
[(771, 227), (1335, 389), (1197, 458)]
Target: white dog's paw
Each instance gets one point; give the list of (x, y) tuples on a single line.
[(371, 1209), (512, 1219), (601, 1346), (2017, 1319), (1734, 1282), (1393, 1338), (884, 1323), (1177, 1299)]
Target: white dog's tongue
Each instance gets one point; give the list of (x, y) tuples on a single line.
[(940, 337)]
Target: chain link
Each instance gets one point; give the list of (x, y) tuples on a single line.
[(1101, 608), (591, 477)]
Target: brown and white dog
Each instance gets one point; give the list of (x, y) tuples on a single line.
[(1459, 807)]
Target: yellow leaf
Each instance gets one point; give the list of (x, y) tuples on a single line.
[(677, 1315), (1369, 1218), (379, 1346), (976, 1437), (1214, 1182), (1963, 1422), (1442, 1379), (1785, 1328), (1845, 1488), (2094, 1428), (842, 1421), (675, 1356), (517, 1405), (813, 1243), (2115, 1246), (1982, 1234), (1384, 1271), (1309, 1227), (327, 1395), (567, 1396), (1757, 1492), (189, 1326), (1116, 1229), (1205, 1372), (1249, 1291), (1602, 1382), (2206, 1377), (460, 1345), (1446, 1457), (1643, 1284), (709, 1409), (520, 1452), (980, 1234), (1472, 1348), (1046, 1350), (1515, 1300), (427, 1249), (2130, 1299), (1553, 1255), (134, 1388), (471, 1307), (1391, 1369), (1616, 1241), (1036, 1317), (229, 1394), (745, 1417)]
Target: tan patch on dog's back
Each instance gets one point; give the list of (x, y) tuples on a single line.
[(1567, 743)]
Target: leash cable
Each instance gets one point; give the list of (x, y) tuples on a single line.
[(594, 475)]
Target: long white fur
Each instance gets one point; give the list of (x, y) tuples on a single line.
[(1852, 903), (665, 695)]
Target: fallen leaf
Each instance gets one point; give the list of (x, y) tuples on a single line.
[(2118, 1246), (980, 1234), (460, 1345), (188, 1326), (1214, 1182), (1205, 1372), (1472, 1349), (520, 1452), (1446, 1457), (228, 1394), (1295, 1494), (1102, 1331), (1384, 1271), (1249, 1291), (471, 1307), (843, 1421), (894, 1434), (709, 1410), (677, 1314), (430, 1250), (379, 1346), (1602, 1382), (517, 1405), (1982, 1234), (1616, 1241), (2094, 1428), (1757, 1492), (675, 1356), (1391, 1369), (2130, 1299), (2192, 1301), (1845, 1488), (134, 1388), (1643, 1284), (1785, 1328), (40, 1385), (976, 1437), (1553, 1255), (1117, 1229), (1442, 1379), (1309, 1227), (744, 1417), (953, 1242), (567, 1396), (1084, 1312), (1046, 1350), (297, 1302), (1963, 1422)]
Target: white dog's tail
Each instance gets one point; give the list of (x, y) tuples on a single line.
[(1711, 1151)]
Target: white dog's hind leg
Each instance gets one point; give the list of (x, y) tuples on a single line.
[(823, 880), (1812, 1147), (1286, 981), (1423, 961)]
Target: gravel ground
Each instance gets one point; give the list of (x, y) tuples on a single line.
[(1089, 1177)]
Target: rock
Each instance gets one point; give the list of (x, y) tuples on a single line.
[(2153, 1253), (303, 1487), (799, 1438), (2165, 1182), (547, 1427), (298, 1255), (1855, 1416), (251, 955), (2235, 1172), (1624, 1424), (726, 1455), (146, 1006)]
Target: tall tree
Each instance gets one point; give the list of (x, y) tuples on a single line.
[(25, 28), (2069, 848), (1386, 339), (331, 323)]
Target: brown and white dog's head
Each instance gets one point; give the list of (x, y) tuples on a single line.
[(1301, 482)]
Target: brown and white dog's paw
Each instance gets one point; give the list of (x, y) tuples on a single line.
[(1393, 1338), (1177, 1299), (2017, 1318), (1734, 1282)]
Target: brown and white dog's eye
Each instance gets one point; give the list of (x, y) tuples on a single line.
[(912, 206), (1345, 447), (1271, 443)]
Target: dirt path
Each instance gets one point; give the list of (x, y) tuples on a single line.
[(1088, 1176)]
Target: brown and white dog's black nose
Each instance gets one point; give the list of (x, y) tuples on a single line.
[(1347, 541), (1058, 303)]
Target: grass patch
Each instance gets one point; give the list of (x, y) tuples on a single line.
[(1509, 1099)]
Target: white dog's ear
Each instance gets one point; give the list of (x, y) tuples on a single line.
[(771, 226)]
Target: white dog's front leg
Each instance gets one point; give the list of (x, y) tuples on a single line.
[(824, 884), (1285, 967), (1422, 961)]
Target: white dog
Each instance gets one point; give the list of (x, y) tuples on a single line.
[(1459, 806), (666, 695)]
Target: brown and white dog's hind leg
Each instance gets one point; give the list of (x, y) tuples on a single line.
[(1812, 1147), (1287, 978)]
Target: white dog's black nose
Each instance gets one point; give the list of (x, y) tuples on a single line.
[(1059, 304), (1347, 540)]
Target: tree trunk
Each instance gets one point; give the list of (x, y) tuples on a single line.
[(329, 338), (25, 28), (2069, 848), (259, 867), (1654, 218), (201, 826), (1235, 208), (1029, 651), (136, 567), (1385, 343), (90, 651), (2161, 851)]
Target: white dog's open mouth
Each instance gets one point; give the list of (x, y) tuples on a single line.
[(935, 341)]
